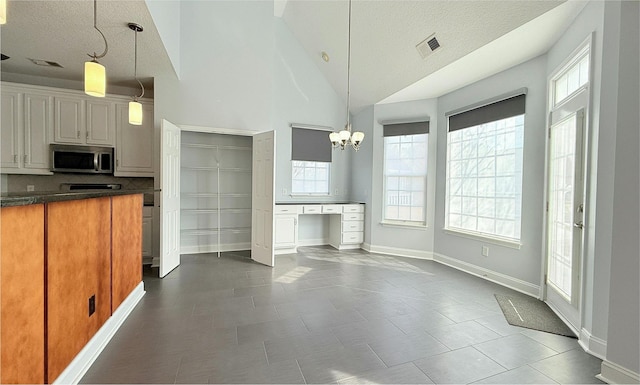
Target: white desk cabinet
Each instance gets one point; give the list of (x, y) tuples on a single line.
[(346, 225)]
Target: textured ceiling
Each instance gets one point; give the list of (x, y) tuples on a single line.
[(62, 31), (384, 34)]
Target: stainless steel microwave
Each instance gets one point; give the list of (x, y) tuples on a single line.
[(81, 159)]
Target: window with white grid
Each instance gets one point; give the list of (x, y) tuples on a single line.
[(310, 177), (484, 178), (405, 178), (572, 77)]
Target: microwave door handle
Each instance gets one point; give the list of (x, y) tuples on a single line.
[(96, 157)]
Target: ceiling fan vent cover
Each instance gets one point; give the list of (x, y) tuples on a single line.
[(428, 46)]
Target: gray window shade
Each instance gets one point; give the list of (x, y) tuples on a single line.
[(405, 129), (310, 145), (491, 112)]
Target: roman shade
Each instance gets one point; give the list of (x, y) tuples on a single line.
[(399, 129), (502, 109), (310, 145)]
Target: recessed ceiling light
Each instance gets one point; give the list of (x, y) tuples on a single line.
[(325, 56)]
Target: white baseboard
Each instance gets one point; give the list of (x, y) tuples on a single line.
[(615, 374), (291, 250), (202, 249), (490, 275), (409, 253), (592, 345), (312, 242), (83, 361), (155, 262)]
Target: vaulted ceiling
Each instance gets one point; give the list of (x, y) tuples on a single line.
[(385, 65)]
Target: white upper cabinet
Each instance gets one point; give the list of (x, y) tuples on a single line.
[(84, 121), (134, 147), (101, 127), (69, 124), (25, 133), (12, 129)]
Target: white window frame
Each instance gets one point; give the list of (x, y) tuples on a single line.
[(399, 222), (480, 235), (297, 164), (582, 52)]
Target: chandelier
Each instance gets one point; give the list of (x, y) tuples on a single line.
[(345, 137)]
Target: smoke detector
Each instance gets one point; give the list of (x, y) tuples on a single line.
[(428, 46), (45, 63)]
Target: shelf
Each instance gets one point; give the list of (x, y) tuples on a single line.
[(216, 146), (213, 195), (214, 211), (212, 168), (233, 230)]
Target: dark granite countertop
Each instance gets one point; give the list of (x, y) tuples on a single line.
[(36, 197)]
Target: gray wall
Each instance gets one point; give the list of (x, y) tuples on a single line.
[(385, 237), (362, 167), (624, 307), (523, 264)]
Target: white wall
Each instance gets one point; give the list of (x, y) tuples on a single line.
[(166, 17), (302, 95), (384, 238), (624, 308), (523, 264)]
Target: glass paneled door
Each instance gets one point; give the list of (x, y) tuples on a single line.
[(565, 215)]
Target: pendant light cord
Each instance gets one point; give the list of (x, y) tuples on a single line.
[(95, 56), (135, 66), (349, 70)]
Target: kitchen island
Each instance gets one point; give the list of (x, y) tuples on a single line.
[(70, 273)]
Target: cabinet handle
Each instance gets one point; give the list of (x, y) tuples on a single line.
[(87, 135), (77, 134), (117, 162), (25, 158), (15, 158)]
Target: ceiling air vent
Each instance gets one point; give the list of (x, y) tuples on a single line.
[(428, 46), (45, 63)]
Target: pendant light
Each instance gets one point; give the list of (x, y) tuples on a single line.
[(135, 107), (95, 77), (345, 137), (3, 11)]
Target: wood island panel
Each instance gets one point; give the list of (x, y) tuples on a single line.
[(79, 266), (126, 247), (22, 294)]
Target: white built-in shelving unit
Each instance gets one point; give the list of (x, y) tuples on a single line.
[(215, 193)]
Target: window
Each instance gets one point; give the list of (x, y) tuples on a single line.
[(310, 161), (310, 177), (573, 76), (405, 172), (484, 170)]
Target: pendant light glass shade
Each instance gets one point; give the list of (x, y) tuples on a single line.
[(95, 79), (3, 11), (135, 113)]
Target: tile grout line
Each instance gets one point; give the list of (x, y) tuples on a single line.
[(302, 374)]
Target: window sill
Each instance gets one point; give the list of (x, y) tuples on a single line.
[(305, 195), (405, 225), (484, 238)]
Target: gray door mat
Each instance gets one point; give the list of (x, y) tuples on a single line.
[(531, 313)]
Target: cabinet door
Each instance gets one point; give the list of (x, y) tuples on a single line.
[(22, 318), (147, 232), (78, 269), (134, 144), (126, 247), (69, 124), (286, 228), (37, 131), (101, 128), (11, 127)]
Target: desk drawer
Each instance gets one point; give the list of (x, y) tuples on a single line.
[(312, 209), (352, 217), (285, 209), (331, 209), (351, 238), (353, 208), (352, 226)]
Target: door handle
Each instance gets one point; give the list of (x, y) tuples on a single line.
[(578, 225)]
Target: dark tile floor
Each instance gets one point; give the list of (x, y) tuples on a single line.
[(324, 316)]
